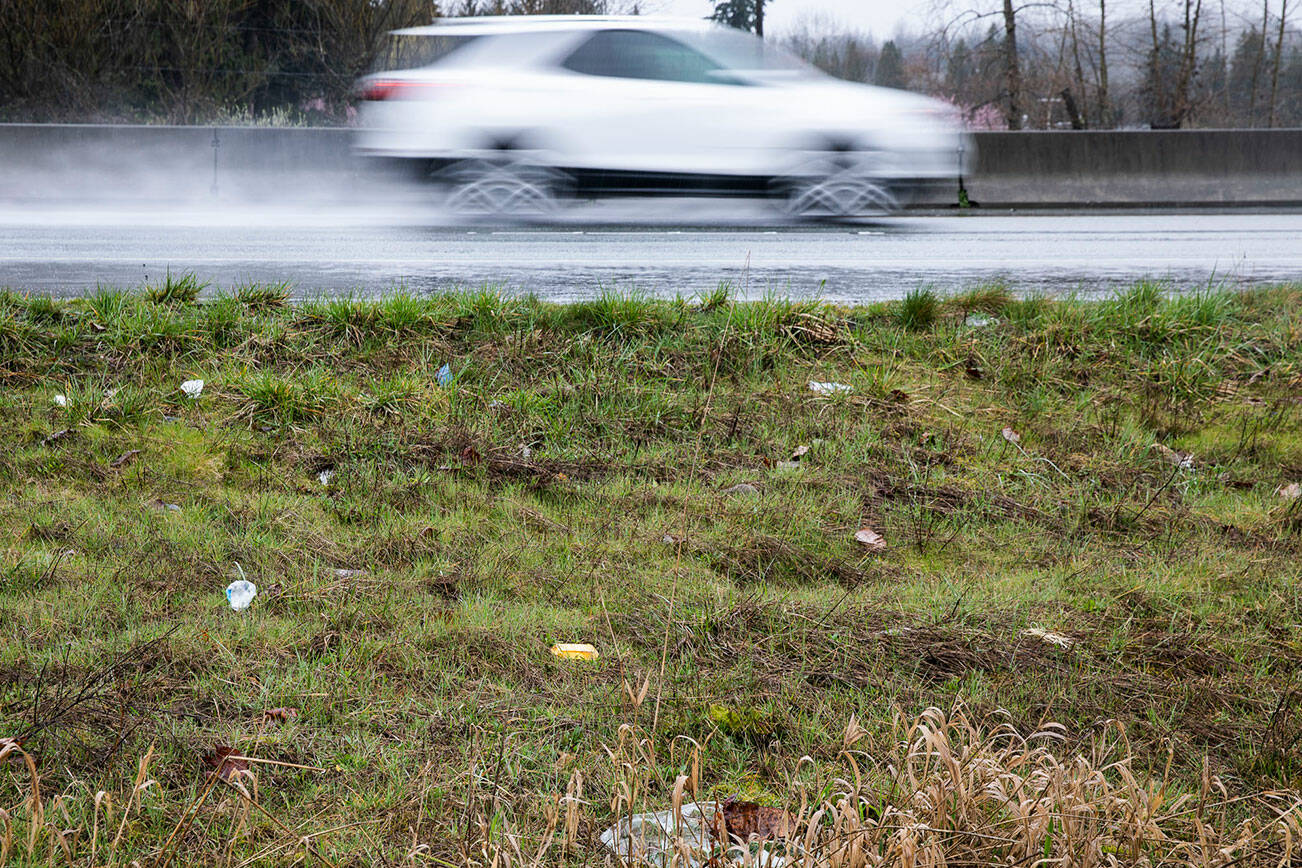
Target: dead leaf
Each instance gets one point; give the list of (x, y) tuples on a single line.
[(870, 539), (124, 458), (11, 750), (736, 821), (57, 435), (973, 370), (1011, 436), (899, 396), (274, 591), (801, 452), (470, 455), (1292, 491), (741, 489), (1259, 375), (283, 714), (224, 762)]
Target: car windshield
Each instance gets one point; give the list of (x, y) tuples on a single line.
[(744, 53)]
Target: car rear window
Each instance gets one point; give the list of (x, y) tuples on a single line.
[(410, 50)]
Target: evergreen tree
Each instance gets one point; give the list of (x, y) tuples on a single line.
[(741, 14), (958, 70), (1158, 95), (890, 66), (1242, 77)]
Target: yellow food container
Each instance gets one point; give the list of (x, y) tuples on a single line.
[(575, 652)]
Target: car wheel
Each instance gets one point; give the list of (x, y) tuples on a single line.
[(502, 188), (836, 184)]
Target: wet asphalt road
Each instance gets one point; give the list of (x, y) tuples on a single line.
[(367, 249)]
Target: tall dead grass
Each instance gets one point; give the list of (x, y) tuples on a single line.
[(941, 789), (946, 789)]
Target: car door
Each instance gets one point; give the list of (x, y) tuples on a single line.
[(641, 101)]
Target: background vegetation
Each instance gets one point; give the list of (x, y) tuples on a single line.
[(1179, 63)]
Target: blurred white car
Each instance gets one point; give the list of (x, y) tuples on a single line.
[(513, 115)]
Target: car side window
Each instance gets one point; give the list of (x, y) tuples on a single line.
[(645, 55)]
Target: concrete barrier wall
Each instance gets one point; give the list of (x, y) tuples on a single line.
[(1137, 167), (58, 161), (1011, 169)]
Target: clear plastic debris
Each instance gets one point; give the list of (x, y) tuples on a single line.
[(828, 388), (654, 838), (240, 594), (192, 388)]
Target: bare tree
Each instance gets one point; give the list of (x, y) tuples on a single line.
[(1105, 110), (1012, 68), (1279, 52), (1256, 64)]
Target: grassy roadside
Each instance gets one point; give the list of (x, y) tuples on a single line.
[(419, 546)]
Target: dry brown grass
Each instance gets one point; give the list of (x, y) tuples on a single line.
[(941, 789), (947, 789)]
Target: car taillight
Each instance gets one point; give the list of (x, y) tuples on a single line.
[(380, 89)]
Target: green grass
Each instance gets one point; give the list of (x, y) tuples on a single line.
[(566, 486)]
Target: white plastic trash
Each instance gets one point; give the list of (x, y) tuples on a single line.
[(828, 388), (60, 400), (240, 594), (652, 838), (192, 388)]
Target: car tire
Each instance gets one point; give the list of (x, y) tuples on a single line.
[(836, 183), (502, 187)]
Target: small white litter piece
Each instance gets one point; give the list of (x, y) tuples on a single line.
[(348, 574), (828, 388), (60, 400), (192, 388), (1183, 460), (1059, 639), (979, 321), (653, 838), (240, 593), (325, 476), (870, 539)]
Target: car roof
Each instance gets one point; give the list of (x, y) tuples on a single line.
[(494, 24)]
